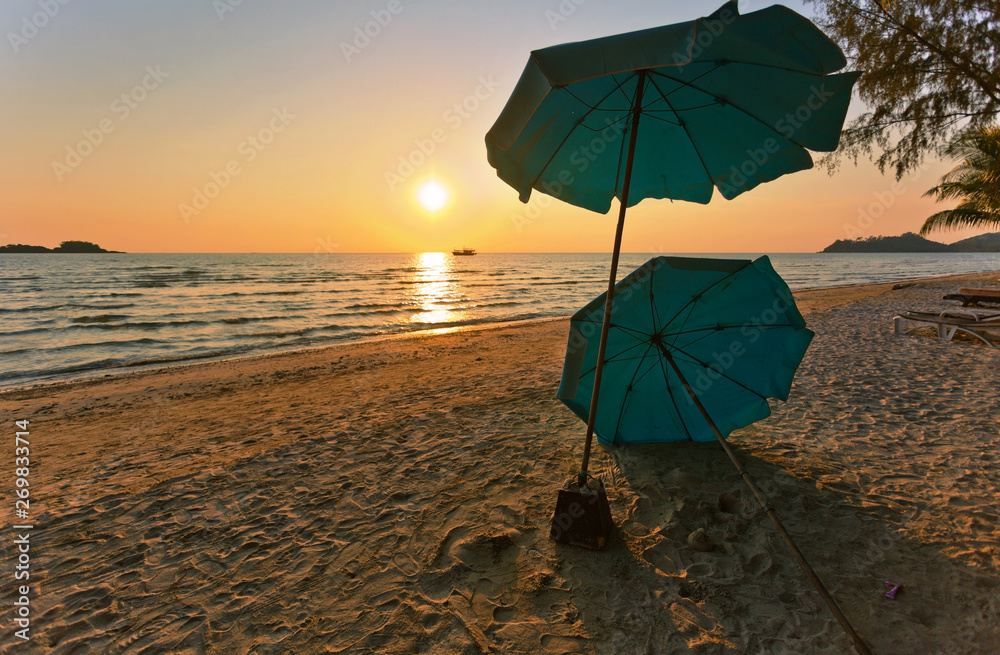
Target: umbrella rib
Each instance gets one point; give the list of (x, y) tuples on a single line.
[(728, 327), (727, 102), (733, 327), (628, 392), (691, 302), (616, 357), (683, 126), (695, 360), (673, 400), (680, 331), (617, 360), (710, 330), (684, 83), (634, 332), (621, 147), (652, 309), (628, 100), (570, 133), (597, 106)]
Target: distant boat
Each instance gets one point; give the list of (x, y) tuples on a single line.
[(461, 252)]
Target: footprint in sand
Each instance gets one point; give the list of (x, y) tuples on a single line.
[(662, 558), (688, 615), (700, 541), (209, 567), (405, 563)]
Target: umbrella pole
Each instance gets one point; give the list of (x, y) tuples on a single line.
[(859, 644), (626, 183)]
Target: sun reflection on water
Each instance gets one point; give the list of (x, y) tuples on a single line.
[(435, 290)]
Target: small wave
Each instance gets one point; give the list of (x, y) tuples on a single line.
[(33, 330), (450, 280), (369, 312), (101, 318), (36, 308), (277, 334), (61, 370), (377, 305), (104, 345), (87, 306), (138, 325), (183, 358), (274, 293), (258, 319)]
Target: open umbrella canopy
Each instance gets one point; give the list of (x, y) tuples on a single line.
[(731, 328), (726, 102)]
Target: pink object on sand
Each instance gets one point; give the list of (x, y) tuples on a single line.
[(893, 590)]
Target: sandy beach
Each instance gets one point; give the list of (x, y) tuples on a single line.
[(394, 497)]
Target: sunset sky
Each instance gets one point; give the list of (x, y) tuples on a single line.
[(119, 119)]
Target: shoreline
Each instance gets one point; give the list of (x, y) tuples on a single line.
[(808, 300)]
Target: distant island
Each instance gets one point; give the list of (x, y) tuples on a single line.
[(911, 242), (65, 246)]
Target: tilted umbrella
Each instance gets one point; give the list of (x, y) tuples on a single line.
[(728, 326), (694, 349)]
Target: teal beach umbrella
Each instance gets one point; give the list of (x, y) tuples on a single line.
[(725, 102), (729, 327)]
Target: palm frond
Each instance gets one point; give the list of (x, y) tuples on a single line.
[(975, 181), (954, 219)]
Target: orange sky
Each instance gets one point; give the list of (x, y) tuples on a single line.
[(117, 119)]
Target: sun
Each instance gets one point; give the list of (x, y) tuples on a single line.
[(432, 195)]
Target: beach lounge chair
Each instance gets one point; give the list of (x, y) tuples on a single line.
[(976, 324), (972, 297)]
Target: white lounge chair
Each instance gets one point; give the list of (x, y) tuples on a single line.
[(976, 324)]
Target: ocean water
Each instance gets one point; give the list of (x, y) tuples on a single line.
[(72, 316)]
